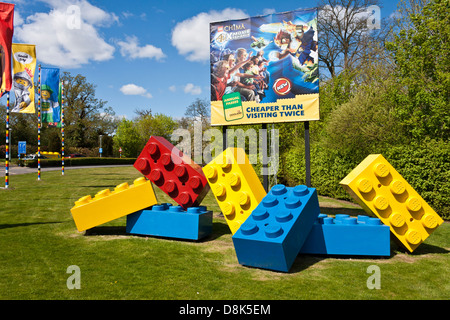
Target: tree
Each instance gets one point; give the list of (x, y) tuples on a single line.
[(159, 124), (344, 33), (128, 138), (86, 117), (421, 53), (199, 110)]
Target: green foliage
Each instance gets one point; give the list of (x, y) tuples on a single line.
[(422, 57), (69, 162), (86, 117), (366, 124), (426, 167), (328, 168), (158, 124), (128, 138)]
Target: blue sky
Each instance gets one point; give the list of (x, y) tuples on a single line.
[(140, 54)]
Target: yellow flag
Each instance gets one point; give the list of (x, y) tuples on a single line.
[(24, 65)]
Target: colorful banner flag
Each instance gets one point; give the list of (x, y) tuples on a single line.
[(50, 106), (6, 34), (24, 65), (265, 69)]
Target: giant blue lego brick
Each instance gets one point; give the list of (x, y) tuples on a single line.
[(170, 221), (345, 235), (274, 233)]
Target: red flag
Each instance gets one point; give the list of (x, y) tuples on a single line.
[(6, 34)]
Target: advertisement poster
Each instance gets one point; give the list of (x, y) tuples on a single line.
[(265, 69), (51, 110), (24, 65)]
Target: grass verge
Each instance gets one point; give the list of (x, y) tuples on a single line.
[(39, 241)]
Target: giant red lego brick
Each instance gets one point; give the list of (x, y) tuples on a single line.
[(173, 172)]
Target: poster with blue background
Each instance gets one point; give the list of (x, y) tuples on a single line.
[(265, 69), (50, 108)]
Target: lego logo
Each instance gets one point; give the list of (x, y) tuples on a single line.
[(220, 28), (282, 86)]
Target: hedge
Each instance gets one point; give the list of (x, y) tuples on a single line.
[(424, 165), (77, 162)]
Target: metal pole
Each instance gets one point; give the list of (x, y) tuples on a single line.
[(224, 137), (39, 125), (62, 128), (7, 143), (10, 139), (264, 156), (307, 156)]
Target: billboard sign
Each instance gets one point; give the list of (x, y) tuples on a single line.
[(265, 69)]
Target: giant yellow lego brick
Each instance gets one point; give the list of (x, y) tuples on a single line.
[(235, 186), (380, 189), (109, 205)]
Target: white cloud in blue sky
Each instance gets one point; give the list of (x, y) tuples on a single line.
[(130, 49), (67, 38), (135, 90), (191, 36)]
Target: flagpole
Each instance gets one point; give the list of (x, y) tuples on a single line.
[(62, 128), (7, 143), (39, 125)]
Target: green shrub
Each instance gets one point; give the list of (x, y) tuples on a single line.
[(79, 162), (425, 166)]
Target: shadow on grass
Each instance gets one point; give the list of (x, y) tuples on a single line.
[(422, 249), (25, 224), (303, 262), (218, 230), (107, 231)]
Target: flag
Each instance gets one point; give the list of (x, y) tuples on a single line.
[(24, 65), (6, 34), (50, 106)]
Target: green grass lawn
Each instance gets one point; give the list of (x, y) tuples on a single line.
[(39, 241)]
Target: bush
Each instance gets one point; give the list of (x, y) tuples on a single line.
[(78, 162), (425, 166), (328, 168)]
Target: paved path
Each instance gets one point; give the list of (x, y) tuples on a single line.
[(15, 170)]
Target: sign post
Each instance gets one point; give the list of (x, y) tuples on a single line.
[(22, 147), (265, 70)]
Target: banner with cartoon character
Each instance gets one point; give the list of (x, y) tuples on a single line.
[(265, 69), (50, 107), (6, 34), (24, 65)]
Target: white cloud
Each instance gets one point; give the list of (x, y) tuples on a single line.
[(134, 90), (192, 89), (67, 36), (130, 48), (173, 88), (18, 20), (191, 36)]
